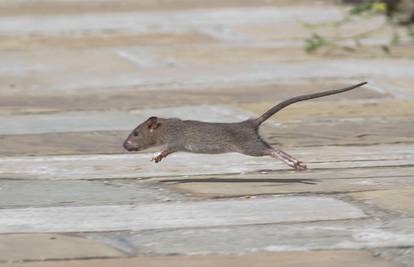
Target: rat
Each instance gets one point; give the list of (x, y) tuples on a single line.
[(175, 135)]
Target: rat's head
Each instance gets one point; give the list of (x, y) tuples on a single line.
[(143, 136)]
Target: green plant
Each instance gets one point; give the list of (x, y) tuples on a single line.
[(314, 42), (398, 13), (410, 31)]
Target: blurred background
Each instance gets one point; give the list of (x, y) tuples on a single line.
[(77, 76)]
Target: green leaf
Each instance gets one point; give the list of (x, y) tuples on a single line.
[(395, 39), (410, 31), (360, 8), (314, 42)]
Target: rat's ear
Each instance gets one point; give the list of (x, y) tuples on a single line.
[(152, 123)]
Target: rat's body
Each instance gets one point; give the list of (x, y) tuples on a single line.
[(214, 138), (211, 138)]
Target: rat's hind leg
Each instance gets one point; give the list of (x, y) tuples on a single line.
[(286, 158)]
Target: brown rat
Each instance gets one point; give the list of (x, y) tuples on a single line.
[(214, 138)]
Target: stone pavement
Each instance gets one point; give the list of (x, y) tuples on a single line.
[(76, 76)]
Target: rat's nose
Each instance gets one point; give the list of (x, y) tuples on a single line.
[(128, 145)]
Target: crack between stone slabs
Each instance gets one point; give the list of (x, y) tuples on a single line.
[(355, 144), (234, 173), (83, 233), (188, 196), (260, 180), (372, 251), (155, 179), (297, 194), (372, 210), (269, 181), (359, 160), (378, 252), (69, 259)]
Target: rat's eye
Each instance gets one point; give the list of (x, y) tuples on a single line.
[(135, 134)]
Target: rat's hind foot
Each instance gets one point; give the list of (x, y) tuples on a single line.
[(300, 166), (286, 158)]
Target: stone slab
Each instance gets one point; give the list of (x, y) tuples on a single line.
[(59, 70), (362, 105), (175, 215), (397, 199), (353, 130), (138, 165), (164, 21), (270, 183), (301, 236), (220, 24), (19, 247), (404, 256), (401, 87), (200, 77), (79, 6), (283, 259), (42, 193), (74, 143), (110, 120), (260, 99)]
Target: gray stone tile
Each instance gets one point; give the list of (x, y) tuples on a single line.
[(110, 120), (321, 182), (362, 234), (173, 22), (23, 247), (403, 256), (176, 215), (199, 77), (396, 199), (283, 259), (179, 164), (20, 193)]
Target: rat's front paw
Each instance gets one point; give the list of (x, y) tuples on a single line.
[(157, 158)]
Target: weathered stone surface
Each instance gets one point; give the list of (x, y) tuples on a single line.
[(342, 131), (139, 165), (284, 259), (23, 193), (105, 142), (90, 67), (404, 256), (20, 247), (402, 87), (320, 235), (178, 21), (45, 7), (261, 98), (175, 215), (291, 183), (99, 121), (395, 199), (351, 107), (189, 76)]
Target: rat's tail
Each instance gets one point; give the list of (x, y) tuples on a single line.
[(292, 100)]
